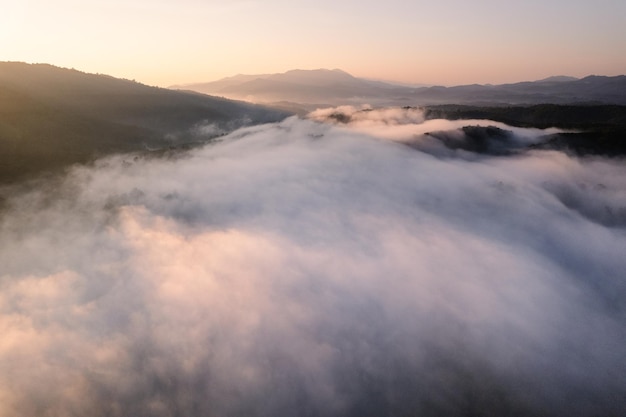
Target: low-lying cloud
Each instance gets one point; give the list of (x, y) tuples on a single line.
[(439, 137), (303, 268)]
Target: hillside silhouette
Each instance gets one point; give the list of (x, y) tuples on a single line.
[(51, 117)]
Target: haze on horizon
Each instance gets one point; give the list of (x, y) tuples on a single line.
[(448, 42)]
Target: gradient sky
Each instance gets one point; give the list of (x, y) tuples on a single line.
[(164, 42)]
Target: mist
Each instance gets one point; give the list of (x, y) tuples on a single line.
[(439, 137), (349, 266)]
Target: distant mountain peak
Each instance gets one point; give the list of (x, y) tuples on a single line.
[(557, 79), (319, 77), (313, 72)]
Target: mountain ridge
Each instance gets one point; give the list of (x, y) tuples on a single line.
[(52, 117), (337, 87)]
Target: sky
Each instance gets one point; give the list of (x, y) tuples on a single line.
[(160, 42), (447, 42)]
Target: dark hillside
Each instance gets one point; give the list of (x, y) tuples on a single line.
[(124, 101), (541, 116), (597, 130), (52, 117), (35, 137)]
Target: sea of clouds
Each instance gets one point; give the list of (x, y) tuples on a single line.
[(350, 266)]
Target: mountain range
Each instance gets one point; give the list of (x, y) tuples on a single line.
[(322, 87)]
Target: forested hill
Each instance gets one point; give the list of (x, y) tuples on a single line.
[(540, 116), (596, 129), (51, 117)]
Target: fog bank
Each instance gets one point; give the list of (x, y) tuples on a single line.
[(306, 268)]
